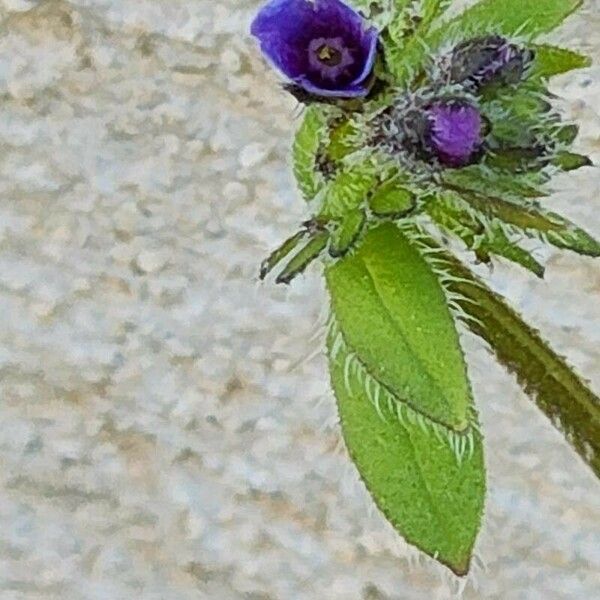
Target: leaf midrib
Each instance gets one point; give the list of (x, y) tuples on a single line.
[(408, 346), (398, 327)]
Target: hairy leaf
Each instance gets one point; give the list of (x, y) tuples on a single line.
[(428, 482), (508, 17), (566, 133), (484, 237), (349, 190), (280, 253), (341, 140), (392, 198), (502, 17), (552, 60), (516, 160), (379, 12), (520, 161), (569, 161), (498, 243), (552, 384), (392, 312), (310, 136), (347, 233), (400, 26), (535, 222), (432, 9), (303, 258), (406, 62), (486, 181), (519, 114), (416, 22), (405, 49)]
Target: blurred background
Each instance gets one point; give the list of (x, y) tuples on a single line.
[(166, 425)]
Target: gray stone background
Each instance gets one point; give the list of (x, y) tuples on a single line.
[(167, 429)]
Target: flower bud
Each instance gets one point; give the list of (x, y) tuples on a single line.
[(455, 132), (481, 60)]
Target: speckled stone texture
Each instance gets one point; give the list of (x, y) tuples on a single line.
[(167, 429)]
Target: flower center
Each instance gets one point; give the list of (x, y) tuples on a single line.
[(329, 55)]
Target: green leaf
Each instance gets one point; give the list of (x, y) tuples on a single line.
[(393, 314), (378, 12), (552, 60), (503, 17), (498, 243), (535, 222), (518, 114), (569, 161), (280, 253), (516, 159), (392, 199), (405, 50), (349, 189), (400, 26), (545, 376), (347, 232), (406, 62), (566, 133), (507, 17), (427, 481), (485, 238), (310, 137), (501, 245), (432, 9), (300, 261), (342, 140), (486, 181), (415, 22)]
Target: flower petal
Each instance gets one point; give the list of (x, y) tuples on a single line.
[(369, 47), (283, 28), (455, 132), (353, 90), (335, 11)]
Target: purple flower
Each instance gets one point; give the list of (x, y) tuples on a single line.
[(324, 47), (480, 60), (455, 132)]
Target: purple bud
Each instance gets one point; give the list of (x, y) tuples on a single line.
[(454, 133), (481, 60), (324, 47)]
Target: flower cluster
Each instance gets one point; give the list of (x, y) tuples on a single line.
[(328, 50), (426, 131)]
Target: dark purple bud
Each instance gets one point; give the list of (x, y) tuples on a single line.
[(481, 60), (455, 132), (324, 47)]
